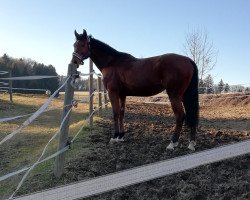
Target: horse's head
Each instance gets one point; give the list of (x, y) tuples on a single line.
[(81, 48)]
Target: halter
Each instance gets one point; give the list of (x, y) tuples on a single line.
[(83, 57)]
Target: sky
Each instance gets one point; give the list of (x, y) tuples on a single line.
[(43, 30)]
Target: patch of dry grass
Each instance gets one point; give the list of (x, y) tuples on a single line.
[(25, 148)]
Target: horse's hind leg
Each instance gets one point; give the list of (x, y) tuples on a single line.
[(179, 117), (192, 141)]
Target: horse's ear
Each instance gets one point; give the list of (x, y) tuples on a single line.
[(77, 35), (84, 33)]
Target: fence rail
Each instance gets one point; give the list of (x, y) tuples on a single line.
[(140, 174), (69, 103)]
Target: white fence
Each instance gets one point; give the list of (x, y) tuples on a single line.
[(140, 174), (35, 115)]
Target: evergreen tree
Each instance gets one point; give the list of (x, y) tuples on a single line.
[(209, 83), (247, 90), (28, 67), (202, 87), (53, 83), (221, 86), (227, 88)]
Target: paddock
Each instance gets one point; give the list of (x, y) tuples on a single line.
[(149, 123)]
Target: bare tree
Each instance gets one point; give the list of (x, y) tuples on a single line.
[(201, 50)]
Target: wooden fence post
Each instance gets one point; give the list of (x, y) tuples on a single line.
[(105, 98), (10, 86), (63, 137), (99, 88), (91, 90)]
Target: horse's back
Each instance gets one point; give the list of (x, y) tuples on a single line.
[(177, 72), (149, 76), (165, 67)]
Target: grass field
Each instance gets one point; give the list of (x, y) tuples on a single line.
[(25, 148)]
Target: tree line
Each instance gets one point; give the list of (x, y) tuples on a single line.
[(207, 86), (28, 67)]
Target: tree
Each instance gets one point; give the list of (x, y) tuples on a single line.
[(227, 88), (237, 88), (220, 86), (203, 53), (247, 90), (209, 83), (28, 67), (6, 59), (4, 62), (202, 87)]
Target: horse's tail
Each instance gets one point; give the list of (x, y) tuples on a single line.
[(191, 99)]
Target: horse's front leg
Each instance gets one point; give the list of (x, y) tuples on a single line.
[(121, 117), (114, 99)]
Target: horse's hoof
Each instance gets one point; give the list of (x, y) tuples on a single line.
[(119, 139), (172, 145), (191, 145), (113, 140)]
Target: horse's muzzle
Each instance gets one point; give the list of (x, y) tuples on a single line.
[(77, 59)]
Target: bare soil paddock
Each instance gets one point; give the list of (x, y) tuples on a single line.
[(224, 119)]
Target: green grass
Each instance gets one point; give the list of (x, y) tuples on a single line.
[(26, 147)]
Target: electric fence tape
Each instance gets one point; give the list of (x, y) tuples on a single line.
[(21, 78), (3, 72), (35, 115), (43, 152), (49, 157), (83, 100), (140, 174), (29, 169)]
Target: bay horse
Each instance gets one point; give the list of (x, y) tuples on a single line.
[(124, 75)]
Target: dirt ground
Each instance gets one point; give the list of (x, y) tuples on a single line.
[(224, 119)]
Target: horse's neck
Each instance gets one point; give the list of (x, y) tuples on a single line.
[(101, 59)]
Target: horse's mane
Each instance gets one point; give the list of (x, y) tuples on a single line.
[(108, 49)]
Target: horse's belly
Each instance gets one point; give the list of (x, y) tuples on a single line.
[(144, 91)]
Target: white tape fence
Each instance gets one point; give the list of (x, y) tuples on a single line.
[(43, 108), (28, 89), (141, 174), (3, 72), (34, 116), (40, 160), (22, 78)]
